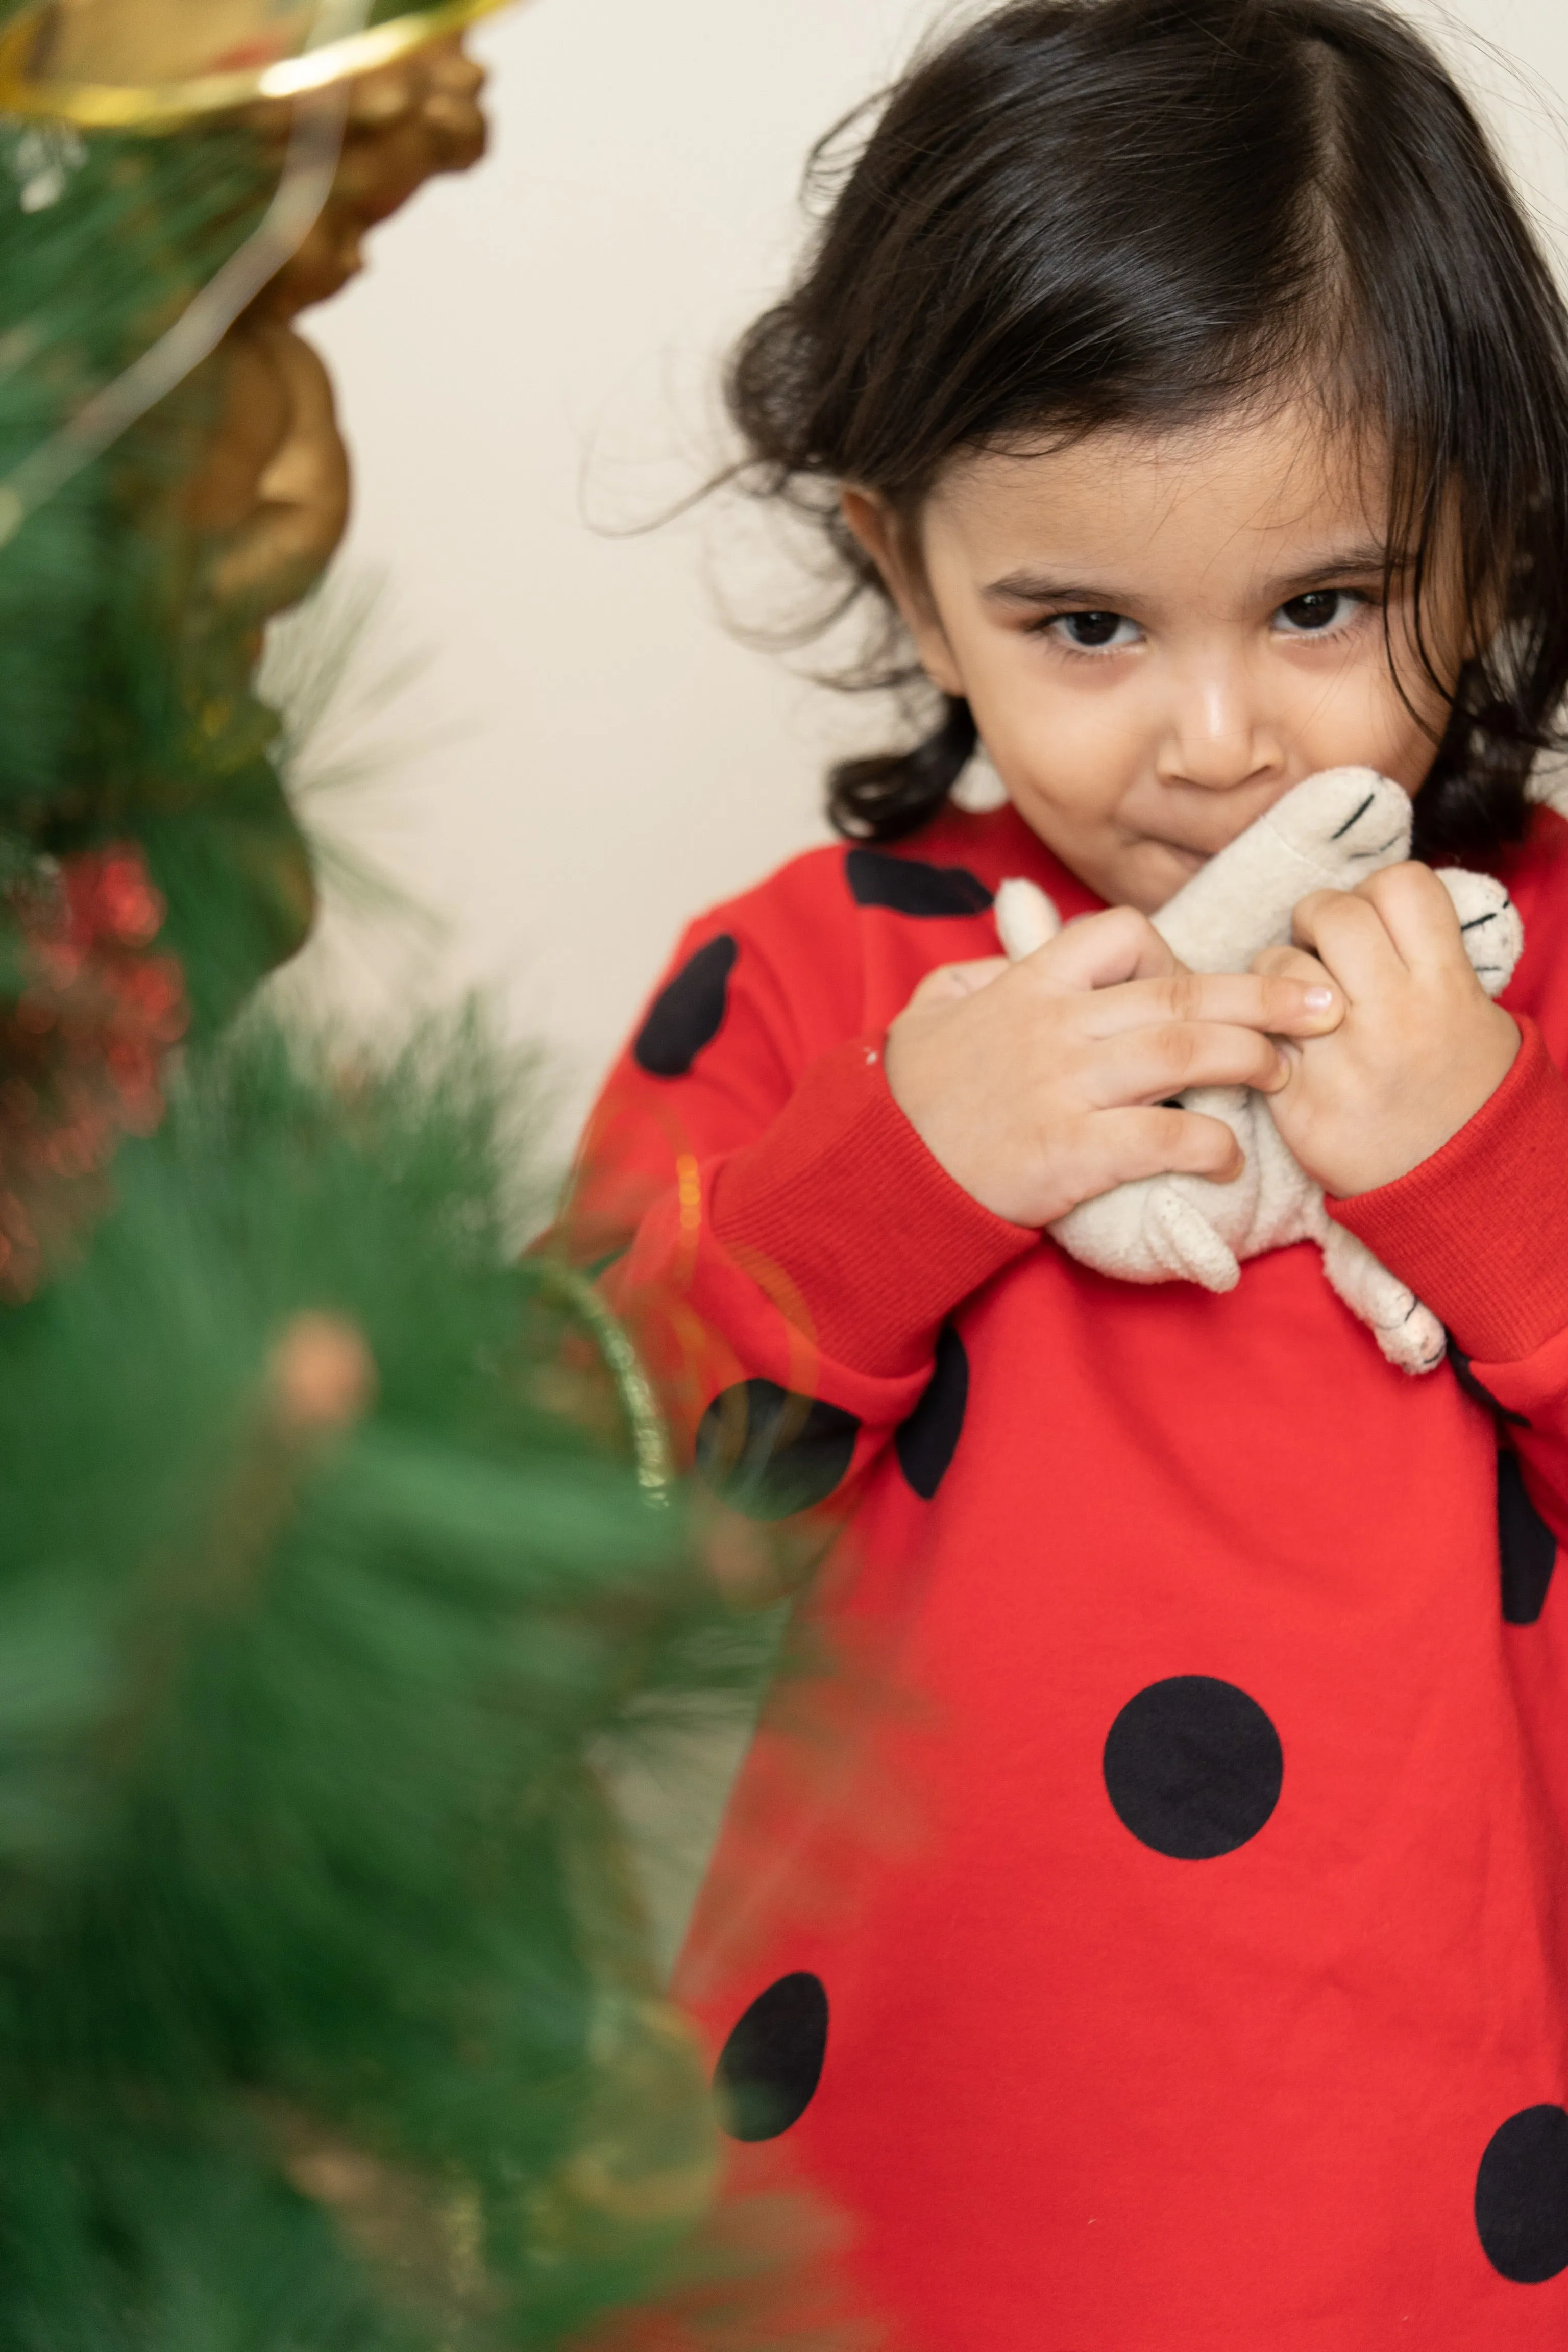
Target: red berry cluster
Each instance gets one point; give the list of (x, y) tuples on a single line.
[(85, 1025)]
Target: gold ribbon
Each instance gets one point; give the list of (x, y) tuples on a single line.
[(28, 86), (651, 1456)]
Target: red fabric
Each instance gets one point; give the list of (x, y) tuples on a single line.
[(1480, 1230), (1183, 1857), (841, 1202)]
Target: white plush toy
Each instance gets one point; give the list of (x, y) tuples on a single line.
[(1326, 834)]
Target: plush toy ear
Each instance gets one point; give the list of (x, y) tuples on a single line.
[(1026, 918)]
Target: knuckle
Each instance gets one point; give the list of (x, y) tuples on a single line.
[(1119, 923), (1126, 932), (1177, 1046), (1409, 884), (1184, 995)]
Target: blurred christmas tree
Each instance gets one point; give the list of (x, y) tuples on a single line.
[(325, 2018)]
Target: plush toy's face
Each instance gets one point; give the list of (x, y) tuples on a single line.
[(1160, 635)]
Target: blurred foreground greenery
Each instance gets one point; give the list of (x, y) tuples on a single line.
[(324, 2001), (327, 2011)]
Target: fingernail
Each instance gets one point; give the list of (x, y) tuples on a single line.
[(1318, 1000)]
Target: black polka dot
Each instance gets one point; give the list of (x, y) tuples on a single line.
[(1522, 2196), (769, 1453), (926, 1442), (1194, 1767), (769, 2069), (1526, 1545), (910, 887), (687, 1013)]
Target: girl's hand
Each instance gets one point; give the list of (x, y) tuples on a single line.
[(1420, 1046), (1037, 1085)]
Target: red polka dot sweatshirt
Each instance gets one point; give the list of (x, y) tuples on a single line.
[(1164, 1948)]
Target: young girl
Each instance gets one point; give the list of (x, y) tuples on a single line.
[(1180, 382)]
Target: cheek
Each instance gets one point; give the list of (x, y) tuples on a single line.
[(1405, 738), (1066, 747), (1077, 771), (1364, 720)]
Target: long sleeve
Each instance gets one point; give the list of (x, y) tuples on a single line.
[(1480, 1232), (782, 1244)]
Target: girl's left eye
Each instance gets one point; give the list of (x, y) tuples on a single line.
[(1321, 612), (1096, 633)]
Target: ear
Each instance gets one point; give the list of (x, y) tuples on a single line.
[(886, 541)]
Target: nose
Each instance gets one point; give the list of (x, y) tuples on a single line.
[(1215, 734)]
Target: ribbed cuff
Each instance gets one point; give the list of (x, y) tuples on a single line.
[(1480, 1230), (867, 1229)]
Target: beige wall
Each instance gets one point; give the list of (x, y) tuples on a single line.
[(586, 758)]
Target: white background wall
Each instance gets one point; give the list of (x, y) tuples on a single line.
[(586, 757)]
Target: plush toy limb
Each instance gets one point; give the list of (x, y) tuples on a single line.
[(1327, 833), (1184, 1244), (1174, 1228), (1494, 935), (1408, 1333), (1148, 1231), (1026, 918)]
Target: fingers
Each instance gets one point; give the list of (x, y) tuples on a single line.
[(1278, 1002), (1136, 978), (1149, 1065), (1395, 923), (1418, 916), (951, 981), (1348, 937), (1164, 1142), (1292, 963), (1101, 951)]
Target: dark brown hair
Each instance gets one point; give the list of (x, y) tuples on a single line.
[(1086, 213)]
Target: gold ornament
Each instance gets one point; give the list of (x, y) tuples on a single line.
[(153, 65), (271, 499), (405, 123)]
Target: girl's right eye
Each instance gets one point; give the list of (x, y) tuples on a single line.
[(1087, 633)]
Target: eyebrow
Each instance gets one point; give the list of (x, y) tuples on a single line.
[(1027, 587)]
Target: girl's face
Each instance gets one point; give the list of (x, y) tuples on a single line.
[(1160, 634)]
